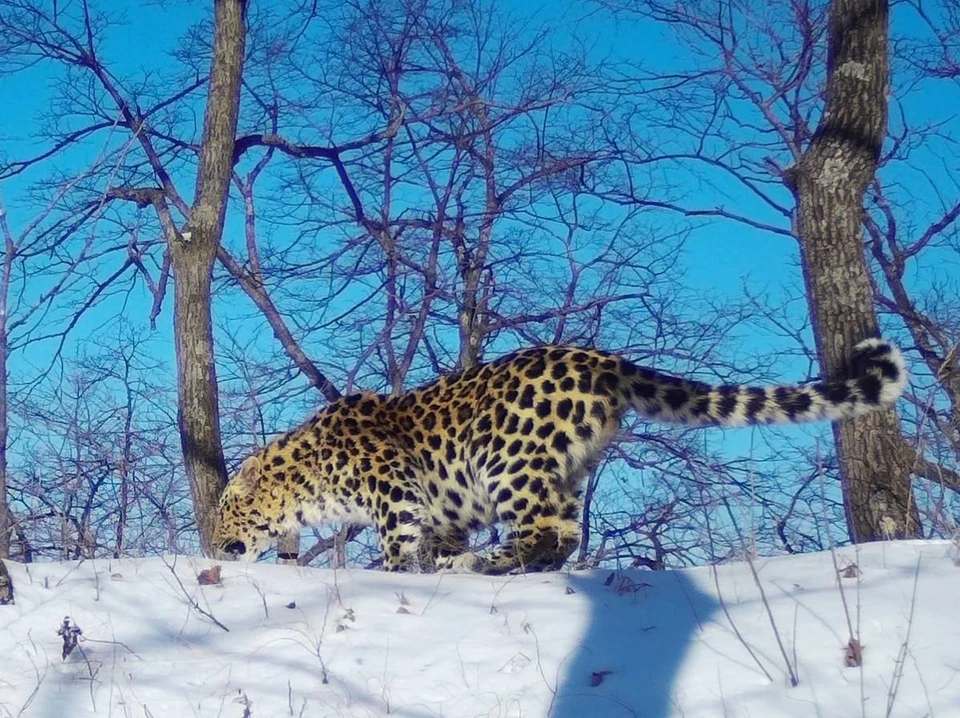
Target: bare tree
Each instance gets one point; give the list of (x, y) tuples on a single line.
[(897, 238), (9, 250), (485, 223), (193, 251), (99, 472), (766, 109), (192, 255), (191, 244), (27, 320), (190, 232), (829, 182)]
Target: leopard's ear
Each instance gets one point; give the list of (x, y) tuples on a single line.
[(248, 476)]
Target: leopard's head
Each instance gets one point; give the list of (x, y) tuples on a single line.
[(242, 531)]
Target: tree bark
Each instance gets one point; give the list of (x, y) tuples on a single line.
[(9, 250), (192, 255), (829, 183)]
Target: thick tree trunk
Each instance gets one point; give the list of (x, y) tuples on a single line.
[(199, 407), (192, 256), (829, 184)]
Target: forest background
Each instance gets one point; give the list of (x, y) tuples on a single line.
[(419, 185)]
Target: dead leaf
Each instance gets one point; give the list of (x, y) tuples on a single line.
[(853, 654), (851, 571), (210, 576)]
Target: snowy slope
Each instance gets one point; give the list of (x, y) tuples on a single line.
[(357, 643)]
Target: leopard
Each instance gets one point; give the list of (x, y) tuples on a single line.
[(507, 443)]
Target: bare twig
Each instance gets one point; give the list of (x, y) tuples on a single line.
[(36, 688), (904, 647), (791, 671), (190, 599), (733, 626)]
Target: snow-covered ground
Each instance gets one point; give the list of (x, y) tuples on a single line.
[(307, 642)]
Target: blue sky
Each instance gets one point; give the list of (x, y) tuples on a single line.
[(721, 258)]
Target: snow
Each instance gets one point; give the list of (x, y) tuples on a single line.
[(317, 642)]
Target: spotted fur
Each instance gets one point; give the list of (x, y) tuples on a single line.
[(510, 442)]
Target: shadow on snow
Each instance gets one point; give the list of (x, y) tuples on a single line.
[(641, 625)]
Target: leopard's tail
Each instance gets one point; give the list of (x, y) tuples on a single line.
[(877, 378)]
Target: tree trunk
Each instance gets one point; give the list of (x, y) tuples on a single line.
[(6, 526), (198, 405), (829, 183), (6, 515), (192, 255)]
